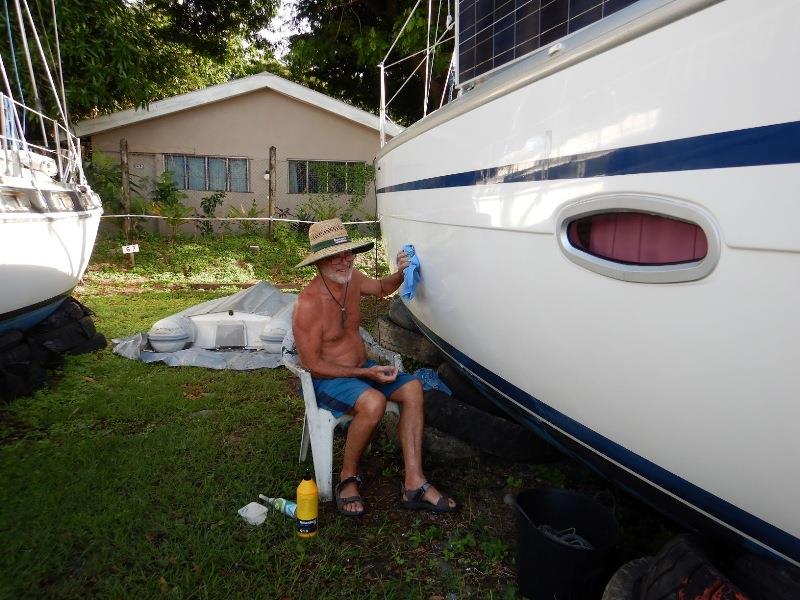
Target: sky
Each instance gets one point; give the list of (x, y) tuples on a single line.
[(282, 28)]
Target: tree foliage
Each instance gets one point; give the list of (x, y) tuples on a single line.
[(119, 54), (347, 39)]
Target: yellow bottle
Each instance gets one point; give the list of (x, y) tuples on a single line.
[(307, 507)]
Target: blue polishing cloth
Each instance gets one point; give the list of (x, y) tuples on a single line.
[(410, 274), (431, 381)]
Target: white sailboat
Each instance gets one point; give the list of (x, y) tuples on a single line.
[(48, 213), (605, 218)]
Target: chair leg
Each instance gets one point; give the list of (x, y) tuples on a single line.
[(322, 451), (304, 440)]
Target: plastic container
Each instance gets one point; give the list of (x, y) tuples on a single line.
[(307, 507), (549, 569), (282, 505), (272, 338), (170, 334)]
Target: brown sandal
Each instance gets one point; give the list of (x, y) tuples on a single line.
[(416, 502), (341, 502)]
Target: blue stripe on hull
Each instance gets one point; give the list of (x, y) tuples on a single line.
[(726, 512), (26, 320), (758, 146)]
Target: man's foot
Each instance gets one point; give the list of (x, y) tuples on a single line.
[(348, 499), (427, 497)]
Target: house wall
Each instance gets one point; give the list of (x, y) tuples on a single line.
[(246, 126)]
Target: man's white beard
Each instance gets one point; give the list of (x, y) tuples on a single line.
[(336, 277)]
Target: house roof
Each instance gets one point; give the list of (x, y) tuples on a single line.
[(223, 91)]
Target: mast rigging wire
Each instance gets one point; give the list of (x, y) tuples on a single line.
[(13, 54), (58, 62)]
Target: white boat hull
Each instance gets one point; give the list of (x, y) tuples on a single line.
[(43, 255), (688, 388)]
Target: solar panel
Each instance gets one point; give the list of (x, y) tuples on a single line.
[(495, 32)]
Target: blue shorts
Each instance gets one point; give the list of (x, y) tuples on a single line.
[(339, 395)]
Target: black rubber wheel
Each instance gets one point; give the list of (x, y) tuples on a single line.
[(400, 315), (671, 567), (69, 311), (21, 379), (624, 584), (18, 354), (65, 338), (682, 569), (464, 390), (413, 345), (9, 339), (94, 343), (764, 579), (483, 431)]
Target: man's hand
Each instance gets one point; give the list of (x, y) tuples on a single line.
[(382, 373), (402, 260)]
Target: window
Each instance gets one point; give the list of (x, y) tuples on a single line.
[(635, 238), (14, 202), (639, 239), (209, 173), (327, 176)]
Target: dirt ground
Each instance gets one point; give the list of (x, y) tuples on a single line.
[(483, 532)]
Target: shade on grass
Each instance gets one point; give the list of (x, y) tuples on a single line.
[(122, 480)]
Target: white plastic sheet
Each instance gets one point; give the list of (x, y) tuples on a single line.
[(263, 298)]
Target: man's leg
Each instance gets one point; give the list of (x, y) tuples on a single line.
[(367, 413), (409, 430)]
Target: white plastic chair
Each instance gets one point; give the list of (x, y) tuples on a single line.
[(318, 424)]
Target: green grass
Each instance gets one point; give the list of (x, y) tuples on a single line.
[(122, 480), (194, 262)]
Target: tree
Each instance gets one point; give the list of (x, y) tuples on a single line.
[(346, 41), (119, 54)]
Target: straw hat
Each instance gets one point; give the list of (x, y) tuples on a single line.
[(328, 238)]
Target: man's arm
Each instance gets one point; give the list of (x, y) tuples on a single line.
[(386, 285), (307, 329)]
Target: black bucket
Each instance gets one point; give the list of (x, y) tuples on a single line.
[(548, 568)]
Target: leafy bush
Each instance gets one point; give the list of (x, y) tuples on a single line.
[(335, 178), (209, 205), (247, 227), (168, 202), (104, 174), (319, 208), (165, 192)]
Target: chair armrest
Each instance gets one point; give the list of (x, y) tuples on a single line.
[(379, 353), (296, 369), (374, 351)]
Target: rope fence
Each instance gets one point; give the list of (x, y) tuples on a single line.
[(375, 301), (274, 219)]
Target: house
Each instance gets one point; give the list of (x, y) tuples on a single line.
[(219, 138)]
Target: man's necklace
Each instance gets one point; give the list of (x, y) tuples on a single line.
[(343, 304)]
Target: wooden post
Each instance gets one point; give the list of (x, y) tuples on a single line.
[(126, 193), (271, 191)]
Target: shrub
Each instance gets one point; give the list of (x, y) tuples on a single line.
[(209, 206), (168, 202), (247, 227), (104, 174)]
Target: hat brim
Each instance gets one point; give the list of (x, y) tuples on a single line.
[(354, 247)]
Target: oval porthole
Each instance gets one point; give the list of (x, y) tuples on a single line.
[(636, 238)]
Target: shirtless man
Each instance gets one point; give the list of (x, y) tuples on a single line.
[(325, 324)]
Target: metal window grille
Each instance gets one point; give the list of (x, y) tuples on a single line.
[(196, 173), (324, 176), (237, 175), (209, 173), (177, 166), (217, 174)]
